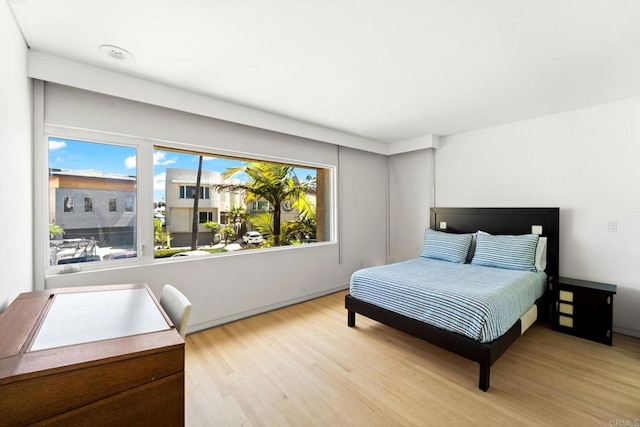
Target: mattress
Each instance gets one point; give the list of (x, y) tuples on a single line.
[(479, 302)]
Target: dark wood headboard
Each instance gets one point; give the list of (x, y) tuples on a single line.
[(504, 221)]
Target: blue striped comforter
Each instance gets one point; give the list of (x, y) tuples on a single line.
[(479, 302)]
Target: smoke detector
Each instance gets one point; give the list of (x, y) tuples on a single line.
[(115, 52)]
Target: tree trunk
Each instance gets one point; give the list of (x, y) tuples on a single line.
[(276, 225), (196, 199)]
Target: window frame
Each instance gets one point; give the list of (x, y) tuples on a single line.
[(207, 214), (143, 204), (142, 187)]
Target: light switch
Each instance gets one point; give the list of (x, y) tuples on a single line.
[(443, 225), (536, 229)]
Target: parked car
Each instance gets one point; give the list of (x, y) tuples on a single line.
[(252, 238)]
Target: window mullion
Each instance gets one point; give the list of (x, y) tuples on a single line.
[(145, 201)]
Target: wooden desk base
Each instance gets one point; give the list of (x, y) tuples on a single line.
[(149, 404), (132, 380)]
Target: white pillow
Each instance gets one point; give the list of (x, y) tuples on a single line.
[(541, 254)]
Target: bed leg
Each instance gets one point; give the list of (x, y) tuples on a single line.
[(485, 371), (351, 318)]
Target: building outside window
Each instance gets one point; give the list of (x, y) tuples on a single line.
[(92, 172)]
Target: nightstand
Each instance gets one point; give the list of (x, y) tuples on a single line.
[(584, 309)]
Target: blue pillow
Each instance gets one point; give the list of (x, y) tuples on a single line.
[(445, 246), (510, 252)]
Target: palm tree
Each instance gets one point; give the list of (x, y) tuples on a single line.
[(263, 222), (303, 227), (237, 215), (274, 183)]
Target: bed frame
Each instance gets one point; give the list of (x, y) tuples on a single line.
[(469, 220)]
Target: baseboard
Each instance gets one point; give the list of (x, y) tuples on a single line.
[(232, 318), (625, 331)]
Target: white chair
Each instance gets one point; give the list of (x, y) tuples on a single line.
[(177, 307)]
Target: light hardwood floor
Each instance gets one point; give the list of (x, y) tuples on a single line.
[(302, 366)]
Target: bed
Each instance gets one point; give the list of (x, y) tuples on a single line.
[(463, 307)]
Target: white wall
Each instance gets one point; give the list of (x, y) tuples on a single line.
[(362, 208), (15, 163), (585, 162), (228, 287), (55, 69), (410, 198)]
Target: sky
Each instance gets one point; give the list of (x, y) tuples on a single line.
[(119, 159)]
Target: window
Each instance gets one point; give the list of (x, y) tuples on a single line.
[(88, 204), (92, 172), (260, 205), (187, 192), (236, 195), (243, 195), (206, 217), (68, 204), (225, 218), (128, 204)]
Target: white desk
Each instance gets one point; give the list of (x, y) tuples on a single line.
[(84, 317)]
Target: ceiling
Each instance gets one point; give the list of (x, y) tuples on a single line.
[(387, 70)]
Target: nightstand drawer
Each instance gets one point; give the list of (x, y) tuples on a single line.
[(566, 296), (565, 308), (565, 321)]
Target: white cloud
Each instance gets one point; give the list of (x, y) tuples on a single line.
[(130, 162), (56, 145), (159, 180), (159, 158)]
